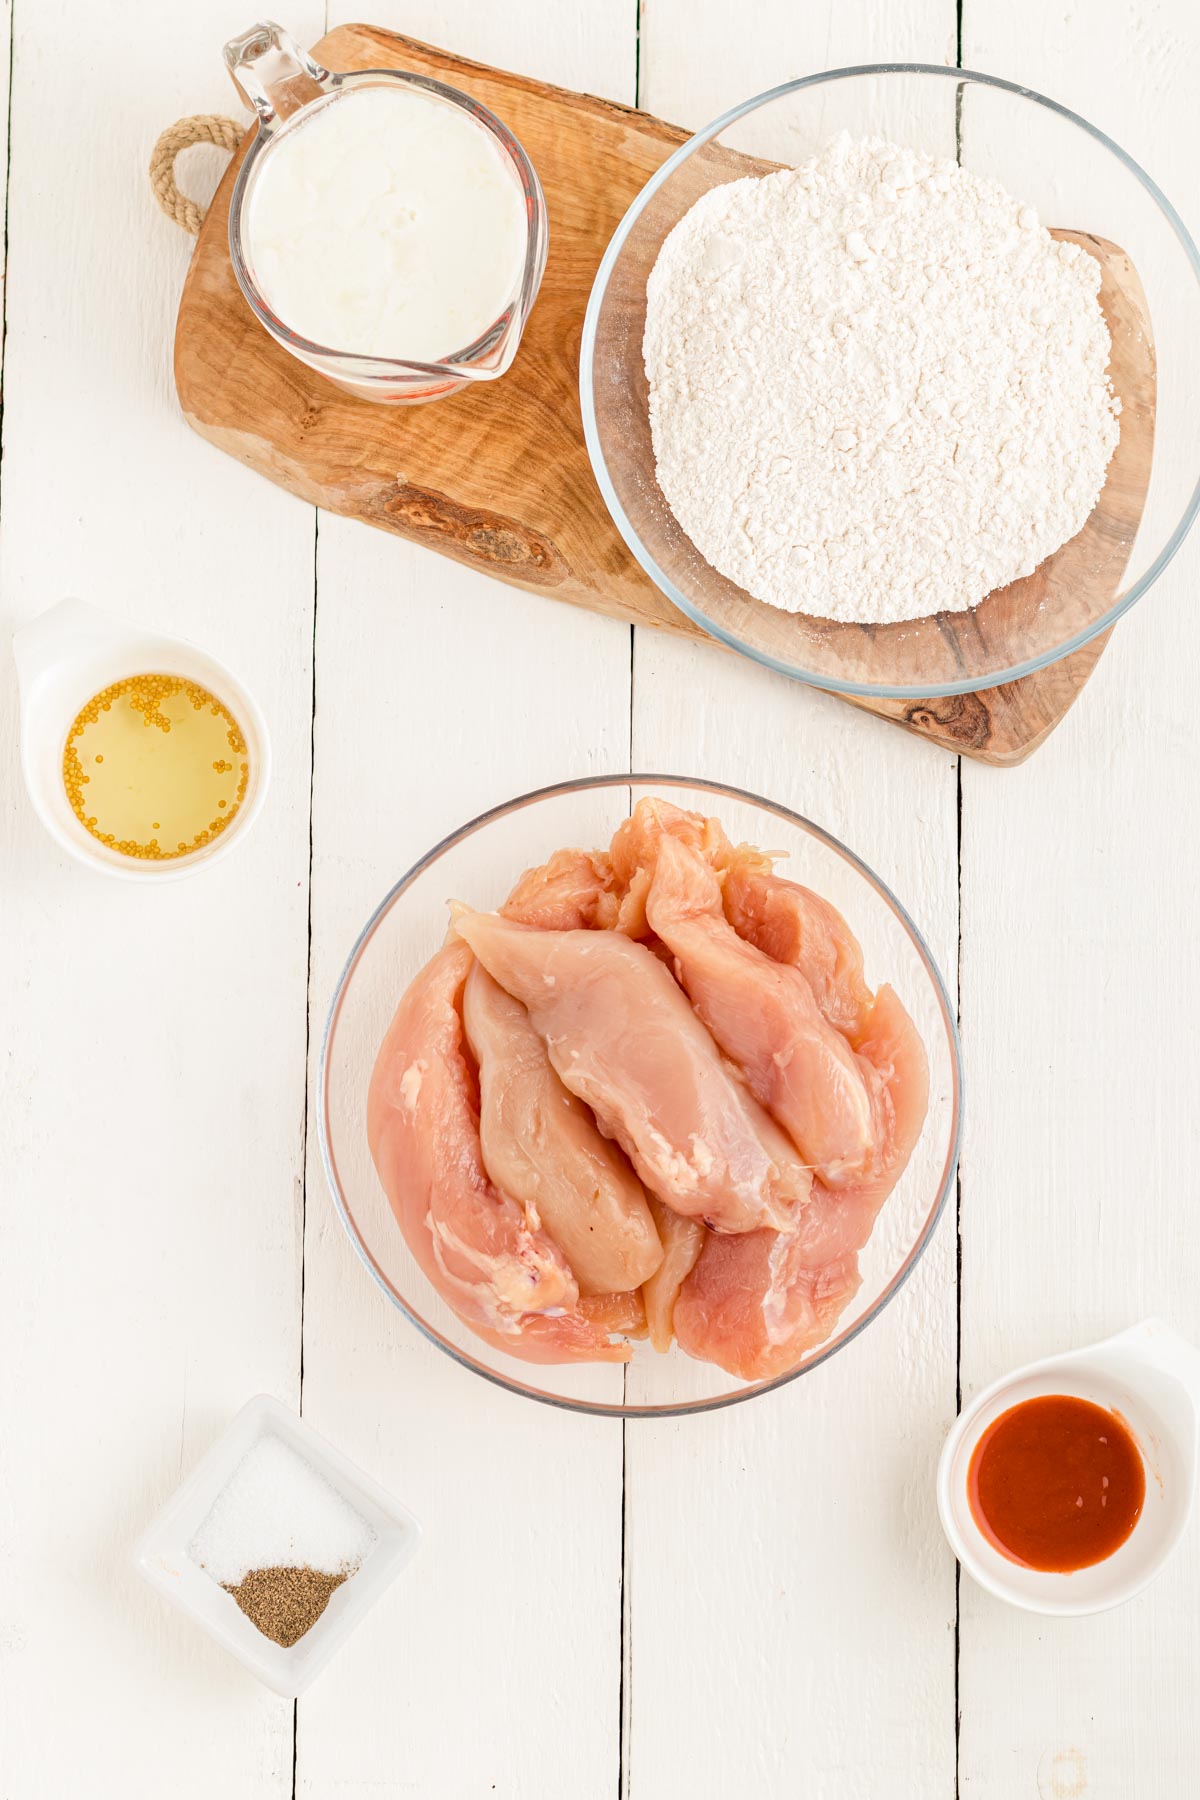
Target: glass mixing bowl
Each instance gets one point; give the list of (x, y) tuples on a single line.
[(1080, 182), (479, 864)]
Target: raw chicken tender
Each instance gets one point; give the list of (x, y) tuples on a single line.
[(504, 1278), (749, 1307), (616, 1312), (763, 1015), (755, 1304), (624, 1040), (636, 840), (541, 1147), (634, 853), (682, 1241), (891, 1053), (793, 925), (575, 891)]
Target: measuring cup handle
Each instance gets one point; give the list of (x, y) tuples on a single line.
[(272, 72)]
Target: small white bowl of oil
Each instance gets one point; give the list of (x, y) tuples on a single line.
[(144, 756)]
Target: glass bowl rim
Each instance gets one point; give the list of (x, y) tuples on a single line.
[(462, 363), (809, 678), (583, 784)]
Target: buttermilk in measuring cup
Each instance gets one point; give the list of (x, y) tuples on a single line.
[(387, 225)]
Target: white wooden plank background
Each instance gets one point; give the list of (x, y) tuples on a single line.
[(1077, 1171), (167, 1246)]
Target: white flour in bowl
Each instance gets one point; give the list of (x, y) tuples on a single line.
[(878, 387)]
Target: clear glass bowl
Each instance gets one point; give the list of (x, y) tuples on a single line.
[(1079, 181), (479, 864)]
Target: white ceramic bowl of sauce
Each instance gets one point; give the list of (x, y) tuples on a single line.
[(1148, 1376)]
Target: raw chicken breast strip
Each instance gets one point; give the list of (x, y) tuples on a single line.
[(682, 1241), (793, 925), (764, 1017), (633, 855), (575, 890), (616, 1312), (541, 1147), (756, 1304), (890, 1052), (636, 840), (623, 1038), (504, 1279), (752, 1309)]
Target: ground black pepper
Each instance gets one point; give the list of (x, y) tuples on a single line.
[(284, 1603)]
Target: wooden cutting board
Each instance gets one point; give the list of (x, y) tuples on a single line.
[(498, 476)]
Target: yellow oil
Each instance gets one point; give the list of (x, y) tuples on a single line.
[(155, 766)]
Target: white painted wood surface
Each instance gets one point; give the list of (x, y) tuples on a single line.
[(1077, 1175), (790, 1622)]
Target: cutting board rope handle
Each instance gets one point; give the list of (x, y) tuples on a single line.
[(201, 128)]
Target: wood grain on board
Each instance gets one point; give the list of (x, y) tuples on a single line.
[(499, 478)]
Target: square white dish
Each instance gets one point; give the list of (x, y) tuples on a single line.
[(162, 1556)]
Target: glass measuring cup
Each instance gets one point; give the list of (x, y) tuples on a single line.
[(287, 87)]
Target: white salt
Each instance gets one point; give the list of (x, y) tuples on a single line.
[(277, 1511)]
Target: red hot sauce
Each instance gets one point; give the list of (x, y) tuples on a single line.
[(1056, 1483)]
